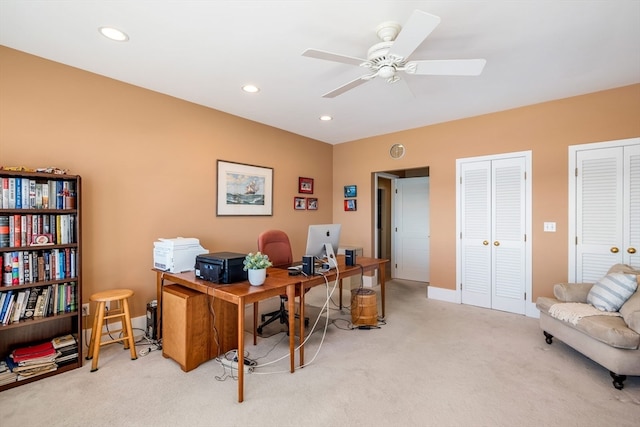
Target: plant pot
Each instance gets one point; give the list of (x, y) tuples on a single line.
[(257, 277)]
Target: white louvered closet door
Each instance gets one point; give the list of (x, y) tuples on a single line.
[(475, 233), (607, 210), (508, 234), (493, 233)]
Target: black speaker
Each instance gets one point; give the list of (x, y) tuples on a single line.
[(152, 327), (308, 265), (350, 256)]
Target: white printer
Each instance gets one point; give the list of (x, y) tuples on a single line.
[(176, 255)]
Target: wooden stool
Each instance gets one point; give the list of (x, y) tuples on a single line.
[(122, 311)]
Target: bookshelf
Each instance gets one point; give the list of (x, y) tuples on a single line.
[(40, 250)]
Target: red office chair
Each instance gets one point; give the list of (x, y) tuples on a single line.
[(276, 245)]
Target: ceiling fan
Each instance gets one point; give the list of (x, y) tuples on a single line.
[(391, 56)]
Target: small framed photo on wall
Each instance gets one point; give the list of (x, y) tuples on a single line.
[(350, 205), (350, 191), (305, 185), (299, 203), (312, 204)]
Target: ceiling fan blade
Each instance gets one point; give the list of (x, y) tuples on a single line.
[(417, 28), (335, 57), (342, 89), (446, 67)]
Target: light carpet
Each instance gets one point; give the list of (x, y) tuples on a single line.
[(432, 364)]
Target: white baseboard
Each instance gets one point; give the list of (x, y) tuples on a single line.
[(449, 295), (370, 281), (136, 323), (441, 294)]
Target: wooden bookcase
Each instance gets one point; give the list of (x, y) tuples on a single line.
[(62, 242)]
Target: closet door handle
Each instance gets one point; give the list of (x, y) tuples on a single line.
[(496, 243), (631, 250), (614, 250), (485, 243)]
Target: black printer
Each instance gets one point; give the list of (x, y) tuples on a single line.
[(221, 267)]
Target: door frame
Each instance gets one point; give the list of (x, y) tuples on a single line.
[(376, 239)]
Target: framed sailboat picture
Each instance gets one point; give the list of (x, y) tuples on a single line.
[(244, 189)]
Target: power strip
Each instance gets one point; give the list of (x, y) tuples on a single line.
[(233, 365)]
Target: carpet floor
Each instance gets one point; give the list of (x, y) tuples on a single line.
[(431, 363)]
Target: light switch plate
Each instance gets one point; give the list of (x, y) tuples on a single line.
[(550, 227)]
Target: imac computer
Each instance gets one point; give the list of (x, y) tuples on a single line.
[(323, 238)]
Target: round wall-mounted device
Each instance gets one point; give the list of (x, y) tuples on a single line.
[(396, 151)]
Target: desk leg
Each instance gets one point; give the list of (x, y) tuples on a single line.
[(255, 322), (301, 325), (291, 296), (241, 350), (381, 270), (340, 287), (159, 283)]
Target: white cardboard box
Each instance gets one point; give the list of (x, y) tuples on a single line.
[(177, 255)]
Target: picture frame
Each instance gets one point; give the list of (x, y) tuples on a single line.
[(305, 185), (350, 205), (299, 203), (312, 204), (42, 240), (350, 191), (243, 189)]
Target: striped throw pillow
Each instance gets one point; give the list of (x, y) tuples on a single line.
[(610, 292)]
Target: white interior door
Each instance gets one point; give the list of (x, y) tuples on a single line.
[(493, 222), (475, 234), (508, 220), (606, 190), (411, 229)]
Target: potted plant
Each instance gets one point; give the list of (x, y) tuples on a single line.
[(256, 264)]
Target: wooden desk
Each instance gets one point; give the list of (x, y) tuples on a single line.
[(239, 294), (278, 282), (362, 265)]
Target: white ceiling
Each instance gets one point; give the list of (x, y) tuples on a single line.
[(204, 51)]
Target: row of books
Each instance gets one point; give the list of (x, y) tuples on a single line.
[(19, 230), (26, 193), (30, 361), (7, 376), (41, 301), (21, 267)]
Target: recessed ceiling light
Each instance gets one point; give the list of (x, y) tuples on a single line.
[(326, 118), (114, 34), (250, 88)]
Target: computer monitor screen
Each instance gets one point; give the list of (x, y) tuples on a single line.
[(318, 235)]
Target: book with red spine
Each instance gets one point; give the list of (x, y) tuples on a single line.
[(33, 352)]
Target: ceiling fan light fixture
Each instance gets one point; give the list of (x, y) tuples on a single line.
[(392, 56), (114, 34), (387, 72)]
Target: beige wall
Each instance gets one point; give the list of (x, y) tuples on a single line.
[(148, 167), (546, 129), (136, 149)]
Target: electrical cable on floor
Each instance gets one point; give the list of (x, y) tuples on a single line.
[(143, 340), (324, 307), (232, 357)]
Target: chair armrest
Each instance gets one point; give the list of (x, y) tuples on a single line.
[(572, 292)]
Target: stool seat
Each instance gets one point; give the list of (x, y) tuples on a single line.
[(119, 296), (111, 295)]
